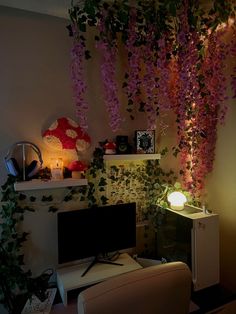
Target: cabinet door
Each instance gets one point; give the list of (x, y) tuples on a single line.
[(174, 238), (205, 252)]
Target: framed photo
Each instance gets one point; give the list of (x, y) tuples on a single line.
[(145, 141)]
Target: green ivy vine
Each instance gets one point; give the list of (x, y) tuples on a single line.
[(152, 180), (14, 280)]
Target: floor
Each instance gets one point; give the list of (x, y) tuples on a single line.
[(61, 309), (229, 308), (215, 300)]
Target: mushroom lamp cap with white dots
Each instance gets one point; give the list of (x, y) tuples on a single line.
[(65, 133), (177, 200)]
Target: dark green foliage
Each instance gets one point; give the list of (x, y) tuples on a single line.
[(52, 209), (155, 20), (47, 198), (13, 278), (162, 15)]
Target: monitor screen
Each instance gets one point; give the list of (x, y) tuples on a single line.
[(97, 230)]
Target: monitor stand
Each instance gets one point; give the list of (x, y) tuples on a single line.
[(102, 261)]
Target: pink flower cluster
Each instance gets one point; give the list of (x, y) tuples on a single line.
[(188, 102), (233, 53), (168, 74), (78, 82), (149, 81), (108, 71), (109, 84), (211, 112), (201, 106), (134, 80), (164, 74)]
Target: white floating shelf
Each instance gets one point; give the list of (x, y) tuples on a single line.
[(38, 184), (132, 157)]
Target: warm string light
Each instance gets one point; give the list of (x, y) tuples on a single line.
[(224, 25), (231, 21)]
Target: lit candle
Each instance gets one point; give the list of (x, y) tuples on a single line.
[(56, 168)]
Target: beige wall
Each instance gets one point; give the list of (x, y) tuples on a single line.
[(222, 196), (35, 89)]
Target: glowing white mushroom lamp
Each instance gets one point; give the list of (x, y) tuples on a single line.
[(177, 200)]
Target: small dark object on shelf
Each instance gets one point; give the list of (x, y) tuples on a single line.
[(122, 144)]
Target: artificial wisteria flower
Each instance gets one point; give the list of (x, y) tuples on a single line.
[(78, 81), (133, 73), (108, 70), (167, 71), (214, 90), (189, 101), (233, 53), (164, 74), (150, 80)]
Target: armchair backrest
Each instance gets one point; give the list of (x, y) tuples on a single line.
[(159, 289)]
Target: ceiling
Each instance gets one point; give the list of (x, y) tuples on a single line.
[(57, 8)]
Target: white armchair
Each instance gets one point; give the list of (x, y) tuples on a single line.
[(163, 289)]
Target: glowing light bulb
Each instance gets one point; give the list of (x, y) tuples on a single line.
[(231, 21), (177, 200)]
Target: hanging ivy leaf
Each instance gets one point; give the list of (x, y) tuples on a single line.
[(52, 209)]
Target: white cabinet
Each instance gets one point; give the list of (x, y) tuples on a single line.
[(205, 252), (191, 236)]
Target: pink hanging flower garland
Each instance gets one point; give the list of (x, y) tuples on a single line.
[(233, 53), (174, 83), (199, 106), (108, 69), (78, 81), (133, 82), (163, 67), (211, 109), (211, 113), (193, 136), (150, 81), (188, 101), (194, 87)]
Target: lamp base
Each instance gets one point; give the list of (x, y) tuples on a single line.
[(177, 207)]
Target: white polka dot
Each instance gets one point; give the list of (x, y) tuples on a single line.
[(53, 126), (71, 133), (72, 123)]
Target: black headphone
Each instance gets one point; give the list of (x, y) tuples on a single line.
[(26, 172)]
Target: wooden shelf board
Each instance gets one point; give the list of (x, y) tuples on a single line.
[(132, 157), (38, 184)]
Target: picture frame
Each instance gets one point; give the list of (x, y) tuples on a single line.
[(145, 141)]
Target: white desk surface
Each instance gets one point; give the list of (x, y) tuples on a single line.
[(69, 278)]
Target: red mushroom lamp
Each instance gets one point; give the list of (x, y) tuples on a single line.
[(110, 148), (65, 133)]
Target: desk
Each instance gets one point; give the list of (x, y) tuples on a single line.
[(69, 278)]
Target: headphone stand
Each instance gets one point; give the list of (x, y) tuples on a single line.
[(23, 161)]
